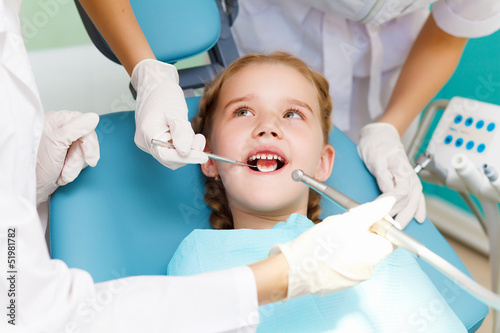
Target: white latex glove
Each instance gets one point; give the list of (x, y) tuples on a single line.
[(68, 144), (383, 153), (161, 113), (337, 253)]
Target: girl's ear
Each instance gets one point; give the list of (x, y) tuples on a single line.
[(326, 163), (209, 169)]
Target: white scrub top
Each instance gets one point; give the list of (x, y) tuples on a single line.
[(21, 115), (359, 45), (43, 295)]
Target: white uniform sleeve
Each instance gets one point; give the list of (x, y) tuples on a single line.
[(45, 295), (468, 19)]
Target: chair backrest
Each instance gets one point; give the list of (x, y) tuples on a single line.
[(127, 215), (178, 30)]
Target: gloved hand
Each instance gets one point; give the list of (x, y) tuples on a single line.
[(161, 113), (382, 151), (68, 144), (336, 253)]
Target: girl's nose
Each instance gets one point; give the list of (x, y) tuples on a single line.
[(268, 125)]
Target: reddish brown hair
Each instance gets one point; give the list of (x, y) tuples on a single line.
[(215, 194)]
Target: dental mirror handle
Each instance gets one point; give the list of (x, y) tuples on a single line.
[(399, 238), (210, 155)]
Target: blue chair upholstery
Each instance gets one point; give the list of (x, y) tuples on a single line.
[(178, 30), (127, 215)]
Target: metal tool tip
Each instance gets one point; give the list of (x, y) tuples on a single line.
[(297, 175)]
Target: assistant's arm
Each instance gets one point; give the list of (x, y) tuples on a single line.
[(430, 64), (116, 22), (161, 112)]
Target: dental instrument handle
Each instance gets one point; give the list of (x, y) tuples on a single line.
[(225, 159), (399, 238), (210, 155), (383, 227)]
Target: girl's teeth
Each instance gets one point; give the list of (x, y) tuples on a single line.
[(266, 169)]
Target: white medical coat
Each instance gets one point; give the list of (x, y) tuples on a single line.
[(359, 45), (45, 295)]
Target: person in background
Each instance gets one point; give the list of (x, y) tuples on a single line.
[(388, 59)]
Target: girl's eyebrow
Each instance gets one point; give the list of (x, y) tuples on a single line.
[(239, 99), (299, 103)]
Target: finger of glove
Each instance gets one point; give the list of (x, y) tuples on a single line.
[(73, 164), (408, 192), (413, 207), (81, 153), (171, 159), (90, 148), (421, 213), (73, 125), (379, 169), (405, 215), (199, 142), (404, 208), (361, 218), (182, 135)]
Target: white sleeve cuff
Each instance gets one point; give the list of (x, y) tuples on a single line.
[(248, 303), (457, 25)]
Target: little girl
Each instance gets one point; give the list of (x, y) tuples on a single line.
[(273, 113)]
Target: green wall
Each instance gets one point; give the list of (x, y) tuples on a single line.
[(49, 24)]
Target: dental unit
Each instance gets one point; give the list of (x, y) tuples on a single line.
[(386, 229)]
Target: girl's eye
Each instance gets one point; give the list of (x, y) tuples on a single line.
[(243, 113), (293, 114)]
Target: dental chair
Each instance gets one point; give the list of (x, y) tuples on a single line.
[(126, 216)]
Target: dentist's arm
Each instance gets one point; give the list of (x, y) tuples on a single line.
[(51, 297), (431, 62), (161, 110)]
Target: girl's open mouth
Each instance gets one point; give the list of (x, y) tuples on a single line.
[(266, 162)]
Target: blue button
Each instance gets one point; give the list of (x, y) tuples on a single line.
[(481, 148), (480, 124), (458, 119), (459, 142), (448, 139), (491, 127), (469, 145), (469, 121)]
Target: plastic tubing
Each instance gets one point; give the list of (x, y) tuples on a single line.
[(399, 238)]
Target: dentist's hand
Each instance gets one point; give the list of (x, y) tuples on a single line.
[(68, 144), (336, 253), (162, 114), (382, 151)]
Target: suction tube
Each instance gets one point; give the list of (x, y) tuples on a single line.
[(399, 238)]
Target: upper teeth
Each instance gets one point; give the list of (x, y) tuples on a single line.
[(265, 157)]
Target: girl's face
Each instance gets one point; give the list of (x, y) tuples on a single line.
[(268, 116)]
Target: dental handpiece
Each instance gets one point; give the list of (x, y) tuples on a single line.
[(210, 155), (399, 238)]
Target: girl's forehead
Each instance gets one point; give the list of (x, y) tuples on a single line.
[(260, 77)]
